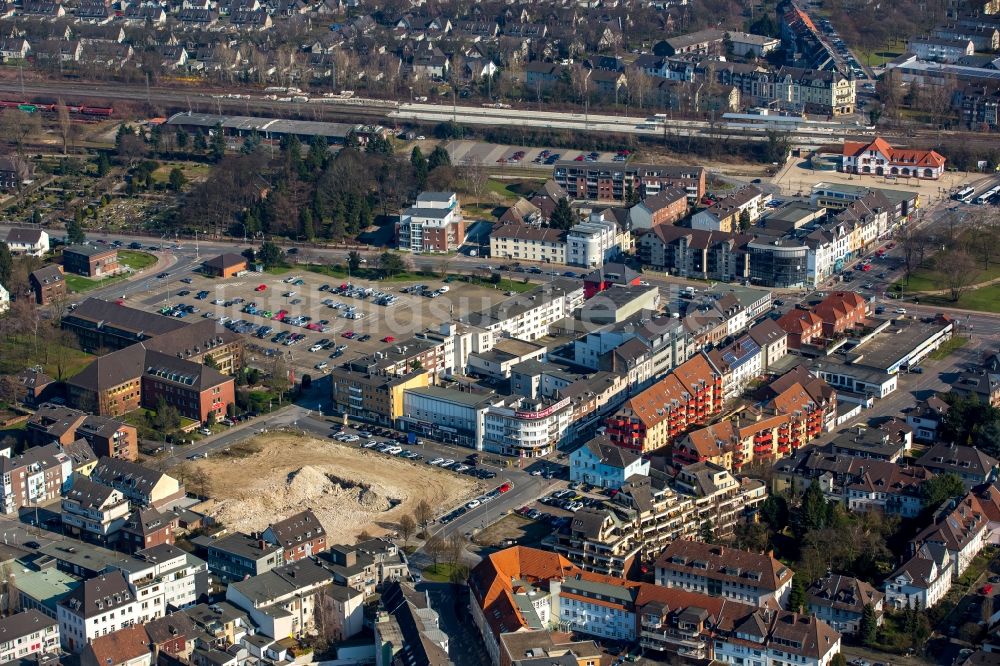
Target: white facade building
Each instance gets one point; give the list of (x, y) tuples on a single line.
[(526, 427), (446, 414), (921, 581), (28, 241), (593, 243), (433, 224), (597, 609), (97, 607), (529, 315), (4, 299), (27, 633)]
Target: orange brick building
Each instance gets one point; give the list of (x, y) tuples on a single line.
[(687, 396)]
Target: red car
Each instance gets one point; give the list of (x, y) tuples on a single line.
[(388, 338), (504, 488), (987, 589), (262, 287), (280, 315), (347, 334)]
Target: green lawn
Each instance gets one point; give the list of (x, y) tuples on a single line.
[(504, 284), (443, 573), (949, 347), (79, 284), (24, 351), (924, 279), (137, 261), (512, 189), (986, 299), (877, 57), (278, 270), (368, 274)]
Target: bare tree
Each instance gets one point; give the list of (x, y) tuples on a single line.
[(477, 176), (65, 124), (435, 548), (959, 271), (131, 149), (424, 514), (455, 546), (407, 524), (16, 127)]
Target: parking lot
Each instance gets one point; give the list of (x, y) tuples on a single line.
[(310, 318), (490, 154)]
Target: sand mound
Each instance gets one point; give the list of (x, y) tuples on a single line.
[(306, 486), (349, 489)]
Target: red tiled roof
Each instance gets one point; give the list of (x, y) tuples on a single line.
[(927, 158)]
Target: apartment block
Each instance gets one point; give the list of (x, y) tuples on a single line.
[(34, 477), (726, 214), (523, 242), (433, 224), (26, 634), (48, 283), (93, 512), (609, 181), (722, 571), (143, 486), (374, 398), (90, 261)]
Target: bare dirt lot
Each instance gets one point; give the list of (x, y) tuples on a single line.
[(350, 489)]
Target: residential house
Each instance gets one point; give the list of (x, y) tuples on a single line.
[(93, 512), (925, 418), (145, 528), (34, 242), (984, 386), (600, 463), (26, 635), (665, 207), (143, 486), (960, 526), (840, 601), (285, 601), (238, 556), (48, 283), (969, 463), (723, 571), (98, 606), (36, 476), (733, 212), (301, 535), (921, 581)]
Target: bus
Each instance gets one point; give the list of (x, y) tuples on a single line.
[(985, 197), (964, 194)]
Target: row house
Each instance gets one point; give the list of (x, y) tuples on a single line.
[(729, 213), (34, 477), (791, 88), (610, 181), (979, 105), (301, 535), (708, 255), (723, 571), (689, 395), (26, 635)]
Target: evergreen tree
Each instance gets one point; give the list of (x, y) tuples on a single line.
[(182, 138), (563, 217), (706, 532), (439, 157), (6, 264), (36, 216), (306, 220), (74, 229), (744, 220), (419, 164), (813, 513), (177, 179), (103, 164), (316, 158), (353, 261), (218, 143), (869, 626), (797, 596), (270, 254), (838, 660)]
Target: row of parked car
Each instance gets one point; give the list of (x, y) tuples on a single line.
[(485, 498)]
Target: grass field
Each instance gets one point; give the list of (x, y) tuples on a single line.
[(986, 299), (25, 351), (137, 261), (503, 285), (512, 189), (368, 274), (949, 347), (79, 284), (925, 279), (278, 270), (444, 573)]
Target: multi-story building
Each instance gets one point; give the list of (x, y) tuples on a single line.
[(739, 364), (690, 394), (91, 261), (124, 380), (93, 512), (33, 242), (666, 338), (878, 158), (960, 526), (286, 601), (164, 577), (128, 646), (106, 436), (524, 242), (922, 580), (747, 204), (777, 637), (611, 181), (795, 89), (887, 487), (709, 255), (446, 414), (143, 486), (982, 37), (666, 207), (723, 571), (48, 283), (526, 427), (35, 477), (433, 224), (600, 463), (840, 601), (145, 528), (980, 105), (98, 606), (374, 398), (301, 535), (967, 462), (101, 326), (594, 242), (978, 384), (941, 50), (528, 316), (237, 556), (26, 634)]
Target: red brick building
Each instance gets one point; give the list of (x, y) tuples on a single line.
[(106, 436), (90, 261), (802, 326), (301, 535), (225, 265), (841, 311), (687, 396), (48, 283), (146, 528)]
